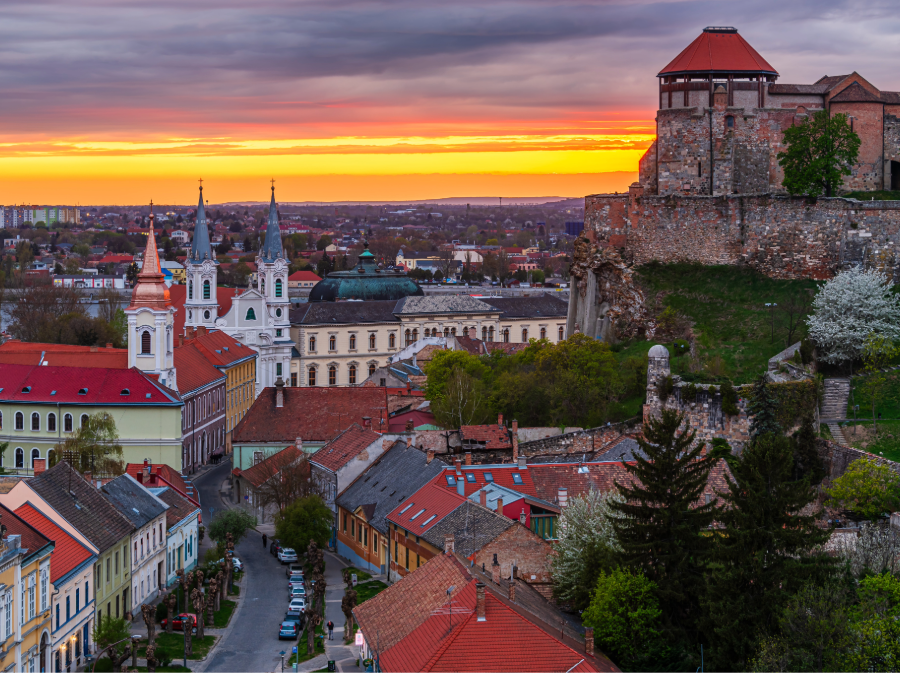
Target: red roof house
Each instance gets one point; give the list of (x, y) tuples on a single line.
[(15, 352), (68, 554)]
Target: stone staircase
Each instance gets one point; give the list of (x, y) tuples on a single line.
[(834, 406), (836, 433)]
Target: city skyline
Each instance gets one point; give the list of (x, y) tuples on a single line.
[(375, 101)]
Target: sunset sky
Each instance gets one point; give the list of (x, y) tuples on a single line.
[(118, 102)]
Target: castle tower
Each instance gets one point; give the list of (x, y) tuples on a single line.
[(657, 370), (201, 305), (272, 284), (151, 319)]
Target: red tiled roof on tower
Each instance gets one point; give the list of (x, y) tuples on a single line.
[(718, 49)]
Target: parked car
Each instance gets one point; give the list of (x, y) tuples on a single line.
[(275, 547), (294, 568), (297, 604), (295, 616), (289, 631), (236, 562), (296, 582), (287, 555), (297, 592), (178, 621)]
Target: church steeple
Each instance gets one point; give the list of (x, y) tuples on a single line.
[(200, 247), (150, 290), (271, 249)]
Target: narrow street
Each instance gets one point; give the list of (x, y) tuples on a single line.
[(251, 642)]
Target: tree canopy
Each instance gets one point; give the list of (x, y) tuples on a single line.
[(818, 154), (234, 521), (303, 520)]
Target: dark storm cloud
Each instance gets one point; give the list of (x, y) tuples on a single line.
[(87, 66)]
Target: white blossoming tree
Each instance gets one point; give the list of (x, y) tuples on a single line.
[(587, 545), (850, 307)]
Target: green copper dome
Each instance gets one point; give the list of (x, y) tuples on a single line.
[(365, 281)]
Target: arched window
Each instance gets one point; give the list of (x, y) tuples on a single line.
[(206, 290), (278, 292), (561, 333), (446, 331), (352, 375), (491, 333), (371, 368), (453, 331), (416, 334), (465, 331), (392, 340), (372, 340), (312, 344), (20, 457), (84, 420), (51, 422), (145, 343), (20, 420), (50, 454), (206, 315), (332, 375), (543, 332), (353, 342), (506, 335), (427, 332), (35, 454), (67, 423), (524, 336), (332, 343), (407, 335), (484, 333), (190, 290), (312, 376), (251, 314), (35, 421)]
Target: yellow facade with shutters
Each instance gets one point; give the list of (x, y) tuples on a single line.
[(240, 383)]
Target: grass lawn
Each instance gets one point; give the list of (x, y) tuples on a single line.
[(220, 618), (301, 655), (878, 195), (173, 645), (886, 444), (888, 406), (365, 591), (726, 305), (361, 575)]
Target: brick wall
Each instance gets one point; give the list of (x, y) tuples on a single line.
[(781, 236), (518, 546)]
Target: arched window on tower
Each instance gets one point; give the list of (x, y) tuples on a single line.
[(278, 288), (251, 314), (145, 343), (206, 289), (190, 290)]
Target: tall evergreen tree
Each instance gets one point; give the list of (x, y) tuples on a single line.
[(761, 409), (765, 553), (662, 524), (807, 462)]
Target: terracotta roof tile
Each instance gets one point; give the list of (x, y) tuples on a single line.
[(425, 508), (194, 369), (68, 553), (266, 469), (32, 539), (62, 355), (716, 51), (344, 448), (220, 348)]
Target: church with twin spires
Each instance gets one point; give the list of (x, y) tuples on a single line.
[(258, 317)]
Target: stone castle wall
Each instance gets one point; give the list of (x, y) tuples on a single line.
[(781, 236)]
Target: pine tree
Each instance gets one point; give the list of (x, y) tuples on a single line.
[(765, 553), (761, 409), (807, 462), (662, 523)]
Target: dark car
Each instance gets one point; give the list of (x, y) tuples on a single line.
[(275, 547), (289, 631), (295, 616), (179, 621)]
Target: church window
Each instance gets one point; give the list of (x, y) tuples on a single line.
[(206, 289), (206, 315), (51, 422), (352, 342), (35, 421), (251, 314), (312, 376), (20, 457), (145, 343), (352, 375), (278, 369), (190, 290), (278, 288), (84, 420), (332, 375), (277, 312)]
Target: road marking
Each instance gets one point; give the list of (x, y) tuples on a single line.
[(334, 601)]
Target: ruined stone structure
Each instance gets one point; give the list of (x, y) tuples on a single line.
[(722, 116)]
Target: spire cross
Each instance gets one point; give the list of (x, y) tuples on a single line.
[(201, 184), (273, 184)]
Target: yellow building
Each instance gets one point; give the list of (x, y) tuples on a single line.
[(25, 593)]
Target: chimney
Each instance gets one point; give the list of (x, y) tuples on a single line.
[(367, 422), (515, 572), (515, 439), (512, 591), (500, 420), (408, 387), (181, 339), (495, 570), (522, 517), (94, 349), (429, 456), (201, 331), (109, 344), (299, 443), (468, 457), (279, 393), (457, 464), (499, 505), (461, 485), (563, 497), (483, 498), (40, 465), (479, 600), (589, 641), (523, 463), (449, 543)]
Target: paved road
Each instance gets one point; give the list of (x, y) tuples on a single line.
[(252, 645)]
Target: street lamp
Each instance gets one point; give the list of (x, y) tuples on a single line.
[(134, 638), (772, 306), (282, 661)]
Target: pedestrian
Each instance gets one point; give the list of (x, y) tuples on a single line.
[(264, 540), (330, 630)]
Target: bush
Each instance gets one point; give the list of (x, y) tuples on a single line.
[(729, 400), (688, 393), (162, 612)]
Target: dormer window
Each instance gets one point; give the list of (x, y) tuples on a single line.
[(82, 391), (26, 389), (125, 391)]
